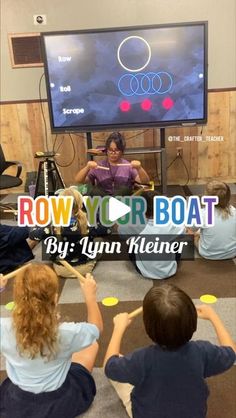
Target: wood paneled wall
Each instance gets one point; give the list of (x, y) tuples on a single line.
[(25, 130)]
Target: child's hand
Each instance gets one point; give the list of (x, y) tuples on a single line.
[(205, 311), (89, 287), (121, 321), (3, 281)]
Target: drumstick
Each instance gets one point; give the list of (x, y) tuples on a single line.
[(145, 188), (139, 191), (14, 272), (101, 167), (123, 164), (135, 313), (73, 270), (132, 314)]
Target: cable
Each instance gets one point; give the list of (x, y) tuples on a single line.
[(157, 174), (80, 136), (186, 169), (172, 162), (54, 144), (135, 136), (73, 146), (42, 111)]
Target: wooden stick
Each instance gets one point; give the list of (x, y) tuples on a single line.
[(14, 272), (138, 192), (73, 270), (142, 189), (123, 165), (102, 168), (136, 312), (132, 314), (150, 188)]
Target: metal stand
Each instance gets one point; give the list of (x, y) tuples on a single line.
[(163, 162), (48, 178), (89, 142)]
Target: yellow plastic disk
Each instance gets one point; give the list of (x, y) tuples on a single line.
[(111, 301), (208, 299), (10, 306)]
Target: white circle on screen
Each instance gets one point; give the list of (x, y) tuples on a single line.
[(146, 56)]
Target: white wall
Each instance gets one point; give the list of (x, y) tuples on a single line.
[(17, 16)]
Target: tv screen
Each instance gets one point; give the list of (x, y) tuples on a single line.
[(134, 77)]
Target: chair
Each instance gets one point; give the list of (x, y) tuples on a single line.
[(8, 181)]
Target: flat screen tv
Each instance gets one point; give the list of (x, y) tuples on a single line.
[(133, 77)]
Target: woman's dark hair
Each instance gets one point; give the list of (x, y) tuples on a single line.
[(169, 316), (149, 196), (119, 140)]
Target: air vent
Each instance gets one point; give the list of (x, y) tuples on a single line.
[(25, 50)]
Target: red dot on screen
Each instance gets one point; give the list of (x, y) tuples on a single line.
[(146, 104), (125, 106), (167, 103)]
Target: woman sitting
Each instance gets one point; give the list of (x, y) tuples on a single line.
[(115, 175)]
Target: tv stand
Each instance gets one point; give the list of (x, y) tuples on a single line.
[(140, 150)]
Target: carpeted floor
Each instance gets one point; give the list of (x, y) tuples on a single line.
[(121, 280)]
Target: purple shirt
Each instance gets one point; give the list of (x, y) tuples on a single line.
[(115, 180)]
